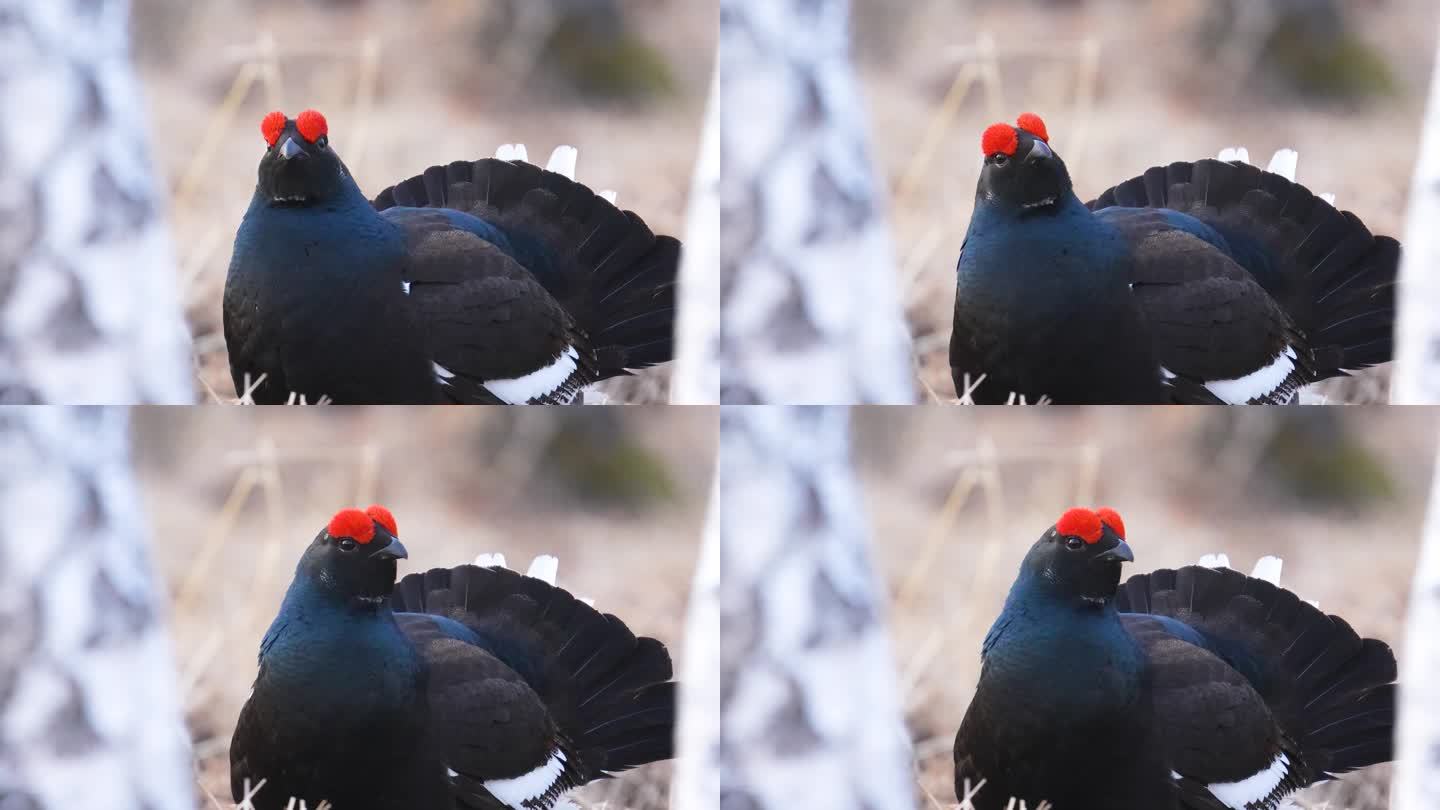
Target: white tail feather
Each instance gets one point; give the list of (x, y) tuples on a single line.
[(1268, 569), (1284, 163), (488, 560), (544, 568), (1228, 154), (1215, 561), (562, 161)]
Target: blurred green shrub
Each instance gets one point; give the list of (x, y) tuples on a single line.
[(1305, 47), (569, 457), (590, 47), (599, 460), (1317, 459), (1310, 455), (1347, 68), (621, 66)]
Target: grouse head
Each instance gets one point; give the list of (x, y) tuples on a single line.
[(354, 557), (1021, 173), (299, 167), (1079, 557)]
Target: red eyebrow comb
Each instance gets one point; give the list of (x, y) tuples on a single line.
[(312, 125), (1032, 123), (273, 126), (999, 139), (352, 523), (1081, 523)]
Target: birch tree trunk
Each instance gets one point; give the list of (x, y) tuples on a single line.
[(697, 340), (89, 310), (697, 765), (697, 381), (1416, 379), (810, 305), (810, 706), (90, 711), (1416, 785)]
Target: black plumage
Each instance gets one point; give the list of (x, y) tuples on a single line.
[(490, 281), (465, 688), (1189, 689), (1205, 282)]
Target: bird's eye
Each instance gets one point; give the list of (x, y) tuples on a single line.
[(323, 142), (1074, 543), (1001, 159), (346, 544)]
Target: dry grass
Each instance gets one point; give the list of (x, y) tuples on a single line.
[(234, 496), (956, 503), (1121, 91), (404, 86)]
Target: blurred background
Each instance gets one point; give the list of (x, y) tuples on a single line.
[(955, 502), (407, 84), (235, 495), (1124, 85)]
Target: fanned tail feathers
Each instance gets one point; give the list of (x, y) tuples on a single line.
[(605, 266), (609, 691), (1334, 278), (1331, 690)]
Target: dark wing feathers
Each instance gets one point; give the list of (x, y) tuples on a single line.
[(486, 317), (608, 692), (1217, 726), (1209, 318), (494, 724), (496, 728), (603, 265), (1328, 689), (1328, 273)]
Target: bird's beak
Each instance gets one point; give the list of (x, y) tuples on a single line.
[(1120, 553), (394, 551), (1039, 150), (290, 149)]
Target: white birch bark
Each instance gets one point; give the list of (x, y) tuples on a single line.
[(697, 766), (810, 305), (89, 305), (1416, 785), (810, 705), (697, 338), (90, 712), (1416, 379)]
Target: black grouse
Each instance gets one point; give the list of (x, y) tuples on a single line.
[(1193, 689), (1207, 282), (491, 281), (467, 688)]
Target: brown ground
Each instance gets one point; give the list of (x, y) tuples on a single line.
[(1154, 101), (460, 482), (950, 568), (438, 95)]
